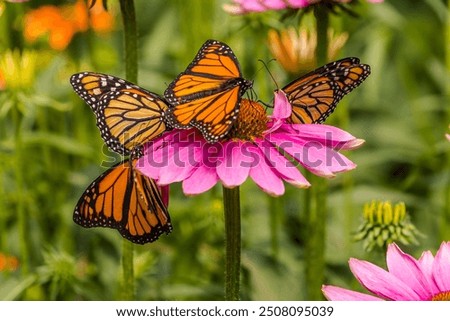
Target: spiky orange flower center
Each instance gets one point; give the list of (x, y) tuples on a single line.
[(443, 296), (251, 121)]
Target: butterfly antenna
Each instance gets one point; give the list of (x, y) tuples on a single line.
[(268, 70), (265, 65), (252, 94), (265, 104)]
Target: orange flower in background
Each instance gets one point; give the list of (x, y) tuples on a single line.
[(101, 20), (60, 24), (8, 263), (78, 15), (295, 49), (2, 81), (61, 35), (38, 22)]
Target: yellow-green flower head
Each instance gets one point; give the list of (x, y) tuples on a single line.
[(385, 223), (18, 69)]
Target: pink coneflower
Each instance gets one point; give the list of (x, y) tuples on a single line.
[(247, 6), (407, 279), (264, 148)]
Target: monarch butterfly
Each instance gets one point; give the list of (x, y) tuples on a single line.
[(207, 94), (315, 95), (127, 115), (123, 199)]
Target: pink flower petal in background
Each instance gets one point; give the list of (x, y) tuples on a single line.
[(426, 266), (441, 267), (406, 268), (334, 293), (381, 282), (238, 7), (407, 279), (247, 6)]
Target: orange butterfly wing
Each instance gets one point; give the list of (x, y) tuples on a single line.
[(207, 94), (315, 95), (127, 115), (123, 199)]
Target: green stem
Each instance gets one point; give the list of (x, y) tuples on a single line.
[(315, 238), (348, 186), (445, 220), (342, 119), (20, 192), (130, 39), (131, 72), (316, 210), (322, 21), (127, 292), (276, 210), (5, 28), (232, 215)]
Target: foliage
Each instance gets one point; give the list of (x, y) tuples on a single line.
[(50, 150)]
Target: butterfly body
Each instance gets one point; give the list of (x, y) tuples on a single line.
[(207, 94), (123, 199), (314, 96), (127, 115)]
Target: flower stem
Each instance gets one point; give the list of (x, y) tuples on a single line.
[(276, 210), (316, 207), (127, 292), (24, 240), (445, 220), (131, 72), (130, 39), (315, 240), (322, 21), (232, 213)]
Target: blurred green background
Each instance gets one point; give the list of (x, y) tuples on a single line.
[(50, 149)]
